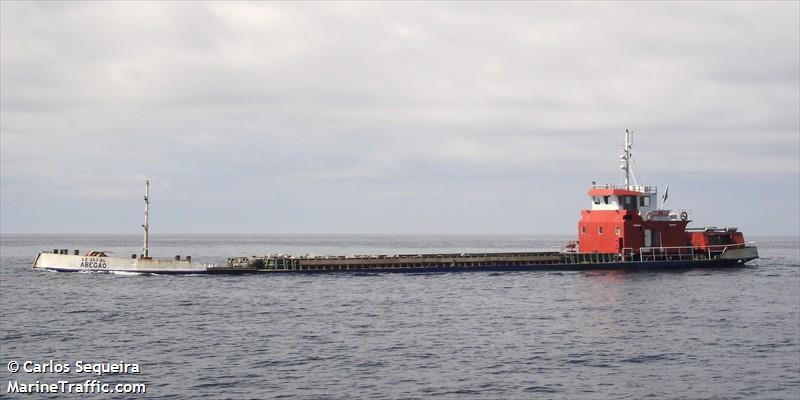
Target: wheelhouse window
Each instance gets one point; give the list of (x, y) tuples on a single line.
[(644, 201), (596, 199), (629, 202), (605, 199)]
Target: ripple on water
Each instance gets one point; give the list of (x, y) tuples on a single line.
[(560, 335)]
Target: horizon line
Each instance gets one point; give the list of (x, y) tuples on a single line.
[(795, 235)]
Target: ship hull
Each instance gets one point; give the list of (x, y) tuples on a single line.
[(494, 262), (603, 266), (499, 262), (79, 263)]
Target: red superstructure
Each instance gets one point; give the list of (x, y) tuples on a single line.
[(626, 219)]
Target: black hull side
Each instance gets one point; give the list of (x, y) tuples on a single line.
[(626, 265)]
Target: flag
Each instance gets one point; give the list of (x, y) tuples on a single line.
[(664, 197)]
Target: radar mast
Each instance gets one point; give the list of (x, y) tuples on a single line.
[(626, 157), (146, 225)]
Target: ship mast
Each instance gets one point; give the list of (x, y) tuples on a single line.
[(625, 158), (146, 226)]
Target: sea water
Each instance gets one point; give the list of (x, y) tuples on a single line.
[(692, 333)]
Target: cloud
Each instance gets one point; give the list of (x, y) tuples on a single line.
[(402, 103)]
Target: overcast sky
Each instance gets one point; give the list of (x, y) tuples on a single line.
[(393, 117)]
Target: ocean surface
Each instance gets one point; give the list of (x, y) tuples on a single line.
[(724, 333)]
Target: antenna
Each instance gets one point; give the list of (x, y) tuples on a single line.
[(625, 158), (146, 226)]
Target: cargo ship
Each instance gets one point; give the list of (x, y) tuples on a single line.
[(623, 228)]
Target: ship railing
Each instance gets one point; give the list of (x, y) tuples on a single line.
[(636, 188), (681, 253), (672, 253)]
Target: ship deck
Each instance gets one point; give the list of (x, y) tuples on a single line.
[(506, 261)]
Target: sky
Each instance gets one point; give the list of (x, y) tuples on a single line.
[(393, 118)]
